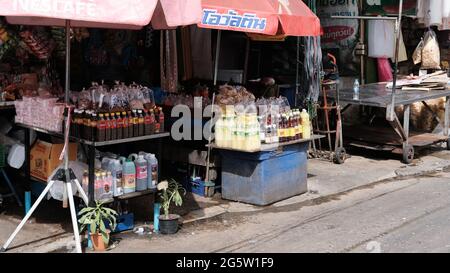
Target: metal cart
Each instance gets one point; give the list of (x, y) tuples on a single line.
[(399, 138)]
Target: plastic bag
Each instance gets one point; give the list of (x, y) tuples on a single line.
[(381, 39), (84, 100), (431, 56), (417, 55)]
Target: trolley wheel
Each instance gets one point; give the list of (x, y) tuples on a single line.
[(448, 144), (339, 155), (408, 153)]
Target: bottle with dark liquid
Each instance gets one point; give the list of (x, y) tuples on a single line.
[(93, 126), (86, 124), (140, 123), (130, 124), (113, 126), (101, 128), (119, 121), (126, 124), (108, 127), (135, 124), (161, 119)]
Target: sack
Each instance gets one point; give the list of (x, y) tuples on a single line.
[(417, 55), (431, 56)]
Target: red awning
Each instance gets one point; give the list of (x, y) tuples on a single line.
[(270, 17)]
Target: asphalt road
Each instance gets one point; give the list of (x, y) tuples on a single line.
[(393, 216)]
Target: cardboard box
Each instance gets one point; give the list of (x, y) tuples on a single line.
[(44, 158)]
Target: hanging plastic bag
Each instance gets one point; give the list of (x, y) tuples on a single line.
[(431, 56), (381, 39), (417, 55), (384, 70)]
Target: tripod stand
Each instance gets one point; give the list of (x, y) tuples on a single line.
[(67, 176)]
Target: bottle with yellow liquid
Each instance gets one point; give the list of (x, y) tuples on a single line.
[(306, 125)]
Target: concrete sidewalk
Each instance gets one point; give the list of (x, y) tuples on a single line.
[(325, 179)]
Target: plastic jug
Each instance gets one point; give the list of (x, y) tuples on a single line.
[(128, 175), (141, 171), (115, 167), (306, 125), (153, 171)]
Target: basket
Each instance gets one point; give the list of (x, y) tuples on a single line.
[(2, 156)]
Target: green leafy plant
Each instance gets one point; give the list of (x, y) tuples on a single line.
[(95, 218), (171, 191)]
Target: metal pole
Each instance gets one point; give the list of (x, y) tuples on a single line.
[(297, 71), (66, 100), (364, 17), (398, 27), (216, 62)]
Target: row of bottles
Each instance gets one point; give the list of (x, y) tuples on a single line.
[(120, 175), (93, 126), (240, 132), (294, 125), (247, 131)]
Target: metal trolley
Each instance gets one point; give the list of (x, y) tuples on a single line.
[(328, 122)]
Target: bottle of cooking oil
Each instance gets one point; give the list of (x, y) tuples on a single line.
[(306, 125)]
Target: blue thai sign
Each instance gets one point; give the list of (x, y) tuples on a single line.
[(245, 22)]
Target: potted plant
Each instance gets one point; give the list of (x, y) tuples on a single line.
[(96, 219), (170, 192)]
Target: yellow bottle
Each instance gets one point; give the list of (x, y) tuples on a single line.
[(306, 125)]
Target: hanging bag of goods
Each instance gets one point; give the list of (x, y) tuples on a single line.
[(38, 42), (431, 56)]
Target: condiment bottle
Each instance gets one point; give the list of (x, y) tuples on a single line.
[(101, 128), (140, 123), (113, 126), (306, 126), (119, 121), (93, 127), (135, 124), (161, 119), (107, 128), (126, 124), (130, 124), (87, 125), (157, 124)]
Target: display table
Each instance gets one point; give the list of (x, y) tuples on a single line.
[(397, 137), (91, 158), (267, 175)]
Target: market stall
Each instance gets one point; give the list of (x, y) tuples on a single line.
[(102, 14), (263, 145)]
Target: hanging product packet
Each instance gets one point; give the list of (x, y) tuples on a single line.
[(84, 100), (135, 97), (431, 56), (417, 54)]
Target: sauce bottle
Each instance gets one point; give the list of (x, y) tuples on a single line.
[(135, 124), (87, 125), (140, 123), (107, 128), (101, 128), (126, 124), (113, 126), (119, 120), (161, 119), (93, 127), (130, 124)]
